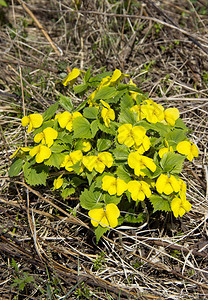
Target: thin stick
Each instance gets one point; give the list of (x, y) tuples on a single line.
[(40, 27)]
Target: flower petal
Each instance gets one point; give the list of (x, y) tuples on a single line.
[(97, 214)]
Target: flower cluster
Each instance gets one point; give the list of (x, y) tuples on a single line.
[(116, 149)]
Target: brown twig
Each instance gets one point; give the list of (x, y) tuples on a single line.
[(40, 27)]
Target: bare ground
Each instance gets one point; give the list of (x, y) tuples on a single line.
[(163, 45)]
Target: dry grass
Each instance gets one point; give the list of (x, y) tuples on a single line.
[(165, 49)]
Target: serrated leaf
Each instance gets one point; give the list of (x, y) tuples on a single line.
[(174, 137), (159, 203), (15, 167), (57, 148), (67, 192), (162, 129), (55, 160), (99, 231), (121, 152), (133, 218), (50, 112), (126, 101), (180, 124), (105, 93), (36, 175), (112, 199), (89, 199), (109, 130), (103, 144), (81, 105), (121, 173), (66, 102), (172, 162), (127, 116), (94, 127), (82, 128), (90, 112)]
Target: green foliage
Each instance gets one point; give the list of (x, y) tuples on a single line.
[(3, 3), (116, 149), (21, 279)]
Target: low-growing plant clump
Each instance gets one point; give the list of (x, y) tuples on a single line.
[(117, 150)]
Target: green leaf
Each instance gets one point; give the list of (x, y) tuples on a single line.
[(112, 199), (79, 88), (103, 144), (50, 112), (121, 152), (89, 199), (67, 192), (105, 92), (82, 128), (66, 102), (55, 160), (159, 203), (180, 124), (35, 175), (90, 112), (126, 101), (172, 162), (134, 218), (127, 116), (174, 137), (57, 148), (81, 105), (109, 130), (121, 173), (162, 129), (15, 167), (3, 3), (87, 75), (90, 176), (94, 127), (99, 231)]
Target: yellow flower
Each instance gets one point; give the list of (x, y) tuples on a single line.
[(139, 162), (71, 77), (167, 185), (116, 76), (139, 190), (40, 152), (133, 94), (129, 135), (145, 145), (107, 113), (188, 148), (46, 136), (107, 217), (164, 150), (86, 146), (66, 119), (58, 182), (153, 112), (23, 149), (33, 120), (113, 185), (182, 190), (171, 115), (140, 114), (98, 162), (71, 159), (180, 206)]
